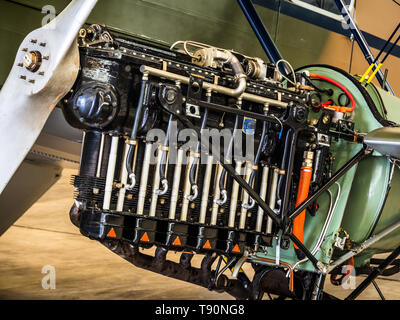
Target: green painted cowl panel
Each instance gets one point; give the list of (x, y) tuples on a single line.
[(363, 216), (362, 188)]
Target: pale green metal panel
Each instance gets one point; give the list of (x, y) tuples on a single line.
[(378, 175), (390, 102), (366, 198)]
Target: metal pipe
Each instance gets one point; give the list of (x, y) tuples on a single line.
[(374, 274), (206, 190), (100, 156), (175, 185), (263, 193), (363, 44), (193, 171), (272, 198), (230, 59), (289, 175), (215, 206), (318, 287), (387, 43), (213, 87), (144, 178), (346, 167), (228, 154), (124, 179), (327, 222), (212, 149), (156, 184), (260, 31), (164, 149), (110, 173), (306, 172), (186, 188), (367, 243), (245, 197), (234, 197), (135, 127)]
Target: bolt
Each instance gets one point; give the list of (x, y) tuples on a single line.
[(32, 81), (32, 61), (23, 77), (34, 41), (42, 44), (325, 119), (41, 73), (171, 95)]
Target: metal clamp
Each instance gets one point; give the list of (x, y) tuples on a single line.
[(195, 193), (133, 182), (222, 201), (248, 206), (164, 190)]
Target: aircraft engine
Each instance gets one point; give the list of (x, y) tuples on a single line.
[(208, 151)]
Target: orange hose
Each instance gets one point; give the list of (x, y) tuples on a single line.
[(302, 194), (337, 84)]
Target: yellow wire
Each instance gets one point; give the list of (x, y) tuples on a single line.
[(366, 73), (374, 73)]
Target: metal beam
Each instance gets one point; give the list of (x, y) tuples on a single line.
[(363, 44), (259, 29)]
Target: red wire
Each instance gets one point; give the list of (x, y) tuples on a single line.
[(337, 84)]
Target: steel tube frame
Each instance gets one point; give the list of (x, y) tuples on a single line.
[(240, 112), (260, 31), (242, 183), (363, 44), (374, 274), (346, 167)]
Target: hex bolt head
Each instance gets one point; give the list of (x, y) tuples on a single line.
[(171, 95)]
